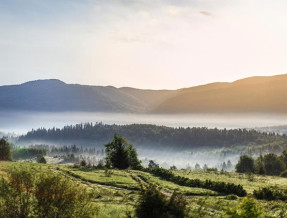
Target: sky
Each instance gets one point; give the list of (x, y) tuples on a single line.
[(150, 44)]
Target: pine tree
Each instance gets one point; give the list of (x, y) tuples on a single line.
[(5, 153)]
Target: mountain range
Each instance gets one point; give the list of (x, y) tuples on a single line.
[(255, 94)]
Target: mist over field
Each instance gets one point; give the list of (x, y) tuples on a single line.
[(19, 123), (22, 122)]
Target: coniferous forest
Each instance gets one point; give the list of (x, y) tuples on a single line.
[(157, 136)]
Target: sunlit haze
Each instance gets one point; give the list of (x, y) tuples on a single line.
[(157, 44)]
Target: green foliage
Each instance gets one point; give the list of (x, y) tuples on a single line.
[(284, 174), (152, 164), (270, 193), (5, 153), (143, 134), (58, 196), (29, 194), (83, 163), (70, 158), (221, 187), (211, 169), (121, 154), (231, 197), (284, 157), (245, 165), (273, 164), (248, 208), (16, 199), (173, 167), (101, 165), (28, 153), (259, 165), (154, 204), (108, 172), (41, 159)]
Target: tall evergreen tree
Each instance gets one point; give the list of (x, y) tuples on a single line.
[(121, 154), (5, 153)]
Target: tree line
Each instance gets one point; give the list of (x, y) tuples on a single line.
[(268, 164), (152, 135)]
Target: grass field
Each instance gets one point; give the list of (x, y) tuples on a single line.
[(116, 192)]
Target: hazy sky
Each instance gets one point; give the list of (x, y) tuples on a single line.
[(141, 43)]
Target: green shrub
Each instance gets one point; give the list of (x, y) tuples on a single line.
[(221, 187), (41, 159), (83, 163), (58, 196), (284, 174), (28, 153), (231, 197), (32, 194), (16, 199), (270, 193), (154, 204), (248, 208)]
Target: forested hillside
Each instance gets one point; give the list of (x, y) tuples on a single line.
[(154, 136)]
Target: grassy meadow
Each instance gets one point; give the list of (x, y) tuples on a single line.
[(116, 192)]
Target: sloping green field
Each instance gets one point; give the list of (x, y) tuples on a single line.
[(116, 192)]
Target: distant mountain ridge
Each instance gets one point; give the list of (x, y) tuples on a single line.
[(254, 94), (250, 95), (55, 95)]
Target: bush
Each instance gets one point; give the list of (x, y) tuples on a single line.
[(284, 174), (211, 169), (101, 165), (154, 204), (152, 164), (108, 172), (28, 194), (41, 159), (57, 195), (248, 208), (83, 163), (28, 153), (16, 199), (270, 193), (221, 187), (231, 197)]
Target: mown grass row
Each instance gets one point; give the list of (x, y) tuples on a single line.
[(116, 185), (221, 187)]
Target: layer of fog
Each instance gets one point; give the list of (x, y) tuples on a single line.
[(213, 158), (182, 159), (21, 122)]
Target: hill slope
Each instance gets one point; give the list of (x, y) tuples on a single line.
[(54, 95), (255, 94)]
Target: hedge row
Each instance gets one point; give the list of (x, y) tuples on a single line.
[(221, 187), (270, 193)]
